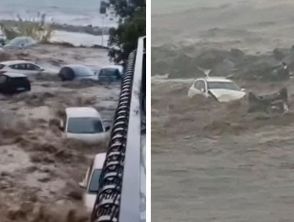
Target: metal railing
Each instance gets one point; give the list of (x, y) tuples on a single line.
[(121, 195)]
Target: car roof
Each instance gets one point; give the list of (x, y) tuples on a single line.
[(215, 79), (119, 67), (82, 112), (80, 69), (76, 66), (12, 62), (99, 161), (13, 75)]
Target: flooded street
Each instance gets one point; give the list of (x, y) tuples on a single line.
[(39, 167), (216, 162)]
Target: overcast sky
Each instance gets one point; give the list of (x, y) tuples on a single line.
[(36, 4)]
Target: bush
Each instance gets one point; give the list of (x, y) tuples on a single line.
[(38, 29), (132, 25)]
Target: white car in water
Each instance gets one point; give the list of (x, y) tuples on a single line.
[(84, 124), (222, 89), (21, 66), (91, 181), (21, 42)]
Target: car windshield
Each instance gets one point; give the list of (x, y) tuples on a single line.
[(94, 183), (223, 85), (82, 71), (109, 72), (85, 125)]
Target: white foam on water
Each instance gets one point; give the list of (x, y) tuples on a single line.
[(79, 39), (164, 79)]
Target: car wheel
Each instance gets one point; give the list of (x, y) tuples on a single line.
[(67, 74)]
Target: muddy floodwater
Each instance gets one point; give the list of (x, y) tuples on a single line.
[(216, 162), (39, 169)]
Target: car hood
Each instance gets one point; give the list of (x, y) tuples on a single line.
[(226, 95), (88, 138)]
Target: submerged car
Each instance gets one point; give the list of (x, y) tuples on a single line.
[(76, 72), (21, 66), (84, 124), (11, 83), (21, 42), (222, 89), (91, 181)]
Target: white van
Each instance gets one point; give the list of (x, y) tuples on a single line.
[(84, 124), (91, 181)]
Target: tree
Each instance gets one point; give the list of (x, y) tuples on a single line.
[(132, 25)]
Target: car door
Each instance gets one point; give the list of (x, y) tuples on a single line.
[(31, 68), (17, 68), (197, 88), (23, 68), (202, 87)]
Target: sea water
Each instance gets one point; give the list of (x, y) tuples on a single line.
[(74, 12)]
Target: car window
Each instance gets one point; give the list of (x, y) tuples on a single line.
[(83, 71), (18, 66), (94, 183), (84, 125), (196, 85), (109, 73), (223, 85), (14, 66), (30, 66), (200, 85), (22, 66)]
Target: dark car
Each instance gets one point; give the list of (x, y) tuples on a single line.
[(11, 83)]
